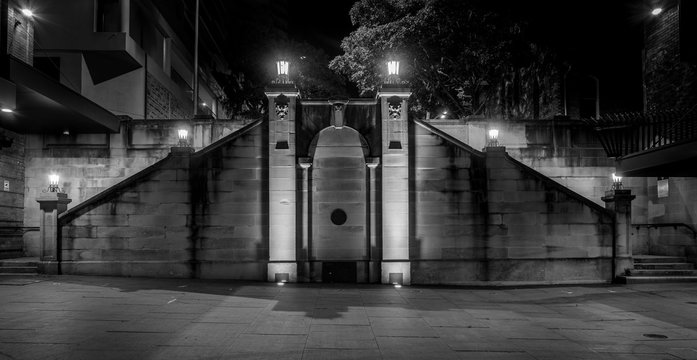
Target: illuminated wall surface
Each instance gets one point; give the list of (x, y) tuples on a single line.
[(473, 217)]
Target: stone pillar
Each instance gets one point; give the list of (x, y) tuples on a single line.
[(620, 202), (51, 204), (304, 211), (202, 129), (374, 253), (282, 97), (396, 267), (485, 247)]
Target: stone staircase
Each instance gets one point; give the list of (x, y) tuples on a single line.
[(19, 266), (656, 269)]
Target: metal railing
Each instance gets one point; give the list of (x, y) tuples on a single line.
[(627, 133), (673, 225)]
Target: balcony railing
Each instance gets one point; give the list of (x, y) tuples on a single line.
[(627, 133)]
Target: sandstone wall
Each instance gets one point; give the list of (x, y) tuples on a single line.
[(487, 217), (91, 163), (230, 207), (565, 151), (11, 195), (199, 215), (139, 227)]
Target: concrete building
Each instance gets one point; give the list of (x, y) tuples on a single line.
[(90, 90)]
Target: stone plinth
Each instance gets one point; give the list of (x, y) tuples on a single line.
[(620, 202), (51, 205)]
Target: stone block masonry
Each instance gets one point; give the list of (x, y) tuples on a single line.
[(91, 163), (171, 220), (471, 218), (487, 218)]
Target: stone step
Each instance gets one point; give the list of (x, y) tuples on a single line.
[(654, 279), (664, 272), (19, 266), (658, 259), (18, 269), (11, 254), (664, 266)]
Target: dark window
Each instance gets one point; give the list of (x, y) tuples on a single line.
[(688, 30), (108, 16), (49, 66)]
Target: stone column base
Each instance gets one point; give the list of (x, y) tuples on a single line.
[(49, 267), (622, 264), (398, 272), (282, 272)]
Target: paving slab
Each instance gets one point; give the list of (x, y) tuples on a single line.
[(82, 317)]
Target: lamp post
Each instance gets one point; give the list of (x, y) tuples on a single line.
[(52, 202)]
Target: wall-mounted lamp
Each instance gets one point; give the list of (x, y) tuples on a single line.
[(616, 182), (393, 68), (656, 11), (6, 110), (27, 13), (493, 138), (53, 180)]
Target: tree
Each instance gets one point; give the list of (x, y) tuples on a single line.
[(457, 55), (256, 36)]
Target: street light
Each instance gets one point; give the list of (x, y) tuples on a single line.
[(656, 11)]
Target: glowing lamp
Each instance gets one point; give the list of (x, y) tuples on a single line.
[(53, 180), (393, 67), (183, 137), (282, 67), (616, 182), (27, 12), (656, 11), (6, 110), (493, 137)]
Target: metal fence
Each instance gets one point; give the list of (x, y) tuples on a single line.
[(626, 133)]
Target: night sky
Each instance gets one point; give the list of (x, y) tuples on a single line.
[(601, 37)]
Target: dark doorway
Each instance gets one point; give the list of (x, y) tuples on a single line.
[(339, 272)]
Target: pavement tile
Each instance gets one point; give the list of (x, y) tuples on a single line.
[(341, 337), (414, 348), (80, 317), (341, 354)]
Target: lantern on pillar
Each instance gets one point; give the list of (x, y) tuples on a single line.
[(616, 182), (493, 138), (53, 180), (183, 135), (393, 68)]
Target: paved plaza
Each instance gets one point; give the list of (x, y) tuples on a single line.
[(79, 317)]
